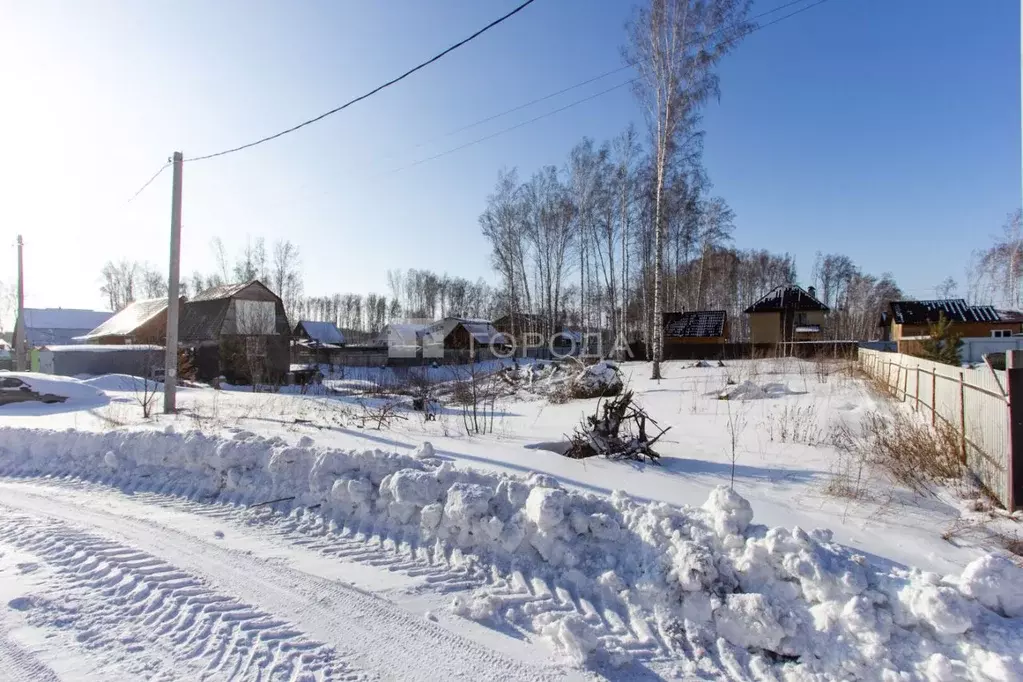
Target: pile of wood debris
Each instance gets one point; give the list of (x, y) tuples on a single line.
[(616, 430)]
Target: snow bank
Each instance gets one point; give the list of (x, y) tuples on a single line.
[(602, 578), (77, 392)]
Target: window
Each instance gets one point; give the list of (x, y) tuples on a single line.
[(254, 317), (1001, 333), (801, 319)]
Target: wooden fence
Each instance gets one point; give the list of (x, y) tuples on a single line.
[(974, 402)]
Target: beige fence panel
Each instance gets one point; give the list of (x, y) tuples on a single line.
[(972, 401)]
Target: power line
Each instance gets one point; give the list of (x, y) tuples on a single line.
[(514, 127), (149, 182), (371, 92), (594, 96), (593, 79)]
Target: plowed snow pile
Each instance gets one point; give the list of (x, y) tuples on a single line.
[(717, 592)]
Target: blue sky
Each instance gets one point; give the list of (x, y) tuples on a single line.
[(885, 130)]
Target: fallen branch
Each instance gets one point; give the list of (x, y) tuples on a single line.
[(269, 502)]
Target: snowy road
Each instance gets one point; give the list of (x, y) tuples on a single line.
[(97, 584)]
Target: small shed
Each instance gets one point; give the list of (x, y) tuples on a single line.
[(696, 326), (318, 342), (144, 360), (142, 321), (238, 331)]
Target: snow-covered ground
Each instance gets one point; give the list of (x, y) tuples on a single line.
[(132, 548)]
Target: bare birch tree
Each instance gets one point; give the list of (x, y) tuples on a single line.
[(675, 45)]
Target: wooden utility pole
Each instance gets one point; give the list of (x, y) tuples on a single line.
[(170, 375), (19, 321)]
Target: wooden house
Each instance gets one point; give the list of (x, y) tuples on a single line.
[(909, 322), (142, 322), (785, 314), (520, 325), (696, 326), (317, 342), (238, 331)]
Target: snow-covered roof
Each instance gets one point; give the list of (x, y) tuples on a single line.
[(787, 297), (59, 325), (64, 318), (403, 333), (324, 332), (695, 324), (226, 291), (128, 320), (955, 309)]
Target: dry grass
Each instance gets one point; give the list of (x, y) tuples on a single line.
[(904, 449), (913, 453), (1011, 543), (795, 424)]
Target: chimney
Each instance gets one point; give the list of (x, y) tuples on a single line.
[(812, 291)]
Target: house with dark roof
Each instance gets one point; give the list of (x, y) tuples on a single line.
[(238, 331), (141, 322), (696, 326), (319, 342), (909, 322), (787, 313)]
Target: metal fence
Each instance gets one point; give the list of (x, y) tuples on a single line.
[(974, 402)]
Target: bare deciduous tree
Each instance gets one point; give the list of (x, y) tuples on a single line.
[(675, 45), (286, 276)]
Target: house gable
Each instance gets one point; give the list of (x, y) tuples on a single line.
[(787, 297)]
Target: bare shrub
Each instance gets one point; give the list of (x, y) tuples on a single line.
[(560, 393), (736, 425), (914, 453), (909, 451), (1012, 543), (477, 395), (381, 413), (849, 475), (795, 424)]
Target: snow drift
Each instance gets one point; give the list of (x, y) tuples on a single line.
[(78, 393), (702, 586)]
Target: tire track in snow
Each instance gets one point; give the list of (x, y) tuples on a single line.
[(442, 568), (19, 665), (117, 597), (375, 634)]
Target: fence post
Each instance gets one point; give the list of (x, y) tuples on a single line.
[(905, 385), (962, 416), (934, 395), (917, 388), (1014, 468)]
